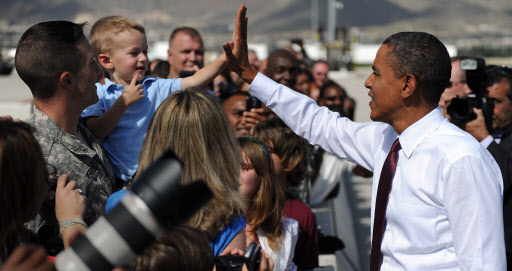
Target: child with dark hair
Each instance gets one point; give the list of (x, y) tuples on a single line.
[(288, 153)]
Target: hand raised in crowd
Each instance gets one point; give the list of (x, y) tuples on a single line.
[(69, 204), (236, 51), (28, 258), (133, 92), (253, 117), (477, 126)]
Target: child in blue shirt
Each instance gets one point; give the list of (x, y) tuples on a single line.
[(128, 100)]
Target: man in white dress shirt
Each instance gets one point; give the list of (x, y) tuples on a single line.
[(445, 206)]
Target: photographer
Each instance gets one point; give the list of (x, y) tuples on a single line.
[(457, 87), (499, 143)]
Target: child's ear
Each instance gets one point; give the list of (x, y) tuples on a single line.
[(104, 60)]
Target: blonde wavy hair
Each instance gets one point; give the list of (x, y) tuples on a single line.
[(266, 210), (195, 127)]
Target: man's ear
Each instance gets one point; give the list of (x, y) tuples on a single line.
[(169, 54), (105, 61), (66, 81), (410, 85)]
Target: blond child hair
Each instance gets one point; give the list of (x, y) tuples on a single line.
[(105, 29)]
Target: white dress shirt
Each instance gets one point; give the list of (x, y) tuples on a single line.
[(445, 207), (283, 258)]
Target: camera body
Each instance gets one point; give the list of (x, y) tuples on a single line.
[(159, 202), (252, 102), (236, 262), (461, 108)]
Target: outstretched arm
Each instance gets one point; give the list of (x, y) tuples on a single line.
[(206, 74), (316, 124)]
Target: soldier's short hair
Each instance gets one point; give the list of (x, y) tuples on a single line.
[(45, 51)]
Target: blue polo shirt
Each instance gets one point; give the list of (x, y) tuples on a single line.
[(124, 143)]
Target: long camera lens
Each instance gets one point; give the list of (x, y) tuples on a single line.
[(159, 201)]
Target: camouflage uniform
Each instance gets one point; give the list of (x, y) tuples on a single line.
[(90, 168)]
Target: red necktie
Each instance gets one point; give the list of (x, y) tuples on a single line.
[(386, 178)]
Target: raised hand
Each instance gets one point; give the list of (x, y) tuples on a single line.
[(236, 51), (477, 126), (133, 92), (255, 116)]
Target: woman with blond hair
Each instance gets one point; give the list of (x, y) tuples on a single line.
[(194, 126), (265, 202)]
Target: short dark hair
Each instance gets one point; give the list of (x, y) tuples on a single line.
[(494, 74), (46, 50), (161, 69), (272, 58), (329, 84), (425, 57), (237, 93), (192, 32), (291, 148)]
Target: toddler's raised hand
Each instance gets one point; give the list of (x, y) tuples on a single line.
[(133, 92)]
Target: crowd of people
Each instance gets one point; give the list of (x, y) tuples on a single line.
[(104, 113)]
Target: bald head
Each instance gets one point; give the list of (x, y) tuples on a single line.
[(319, 71), (282, 67)]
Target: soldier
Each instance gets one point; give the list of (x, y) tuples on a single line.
[(57, 63)]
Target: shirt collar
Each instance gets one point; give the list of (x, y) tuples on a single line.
[(52, 130), (109, 83), (418, 131)]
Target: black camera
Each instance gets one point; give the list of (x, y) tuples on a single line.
[(158, 203), (461, 108), (252, 259), (252, 102)]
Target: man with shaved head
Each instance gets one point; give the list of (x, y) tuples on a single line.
[(282, 67)]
